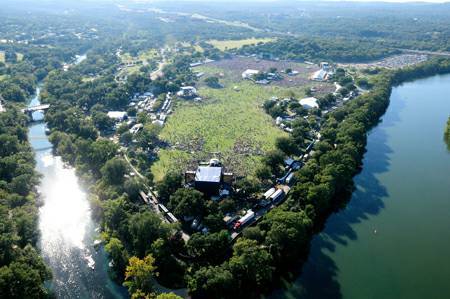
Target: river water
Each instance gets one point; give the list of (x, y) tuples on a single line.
[(66, 228), (393, 238)]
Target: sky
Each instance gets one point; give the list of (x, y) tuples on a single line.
[(390, 1)]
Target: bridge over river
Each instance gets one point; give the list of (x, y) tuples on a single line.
[(29, 110)]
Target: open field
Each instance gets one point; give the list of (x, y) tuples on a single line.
[(226, 121), (235, 44), (230, 72), (230, 120), (2, 56)]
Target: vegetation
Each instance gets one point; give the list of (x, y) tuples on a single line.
[(235, 44), (227, 121), (447, 133), (22, 270), (316, 49), (322, 185)]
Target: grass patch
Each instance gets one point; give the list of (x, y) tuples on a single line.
[(235, 44), (198, 48), (227, 121), (19, 57)]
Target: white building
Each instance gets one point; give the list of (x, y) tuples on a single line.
[(136, 128), (117, 115), (248, 74), (187, 91), (309, 103), (320, 75)]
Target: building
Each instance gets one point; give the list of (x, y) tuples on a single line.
[(309, 103), (248, 74), (320, 75), (136, 128), (208, 179), (187, 92), (325, 66), (118, 115)]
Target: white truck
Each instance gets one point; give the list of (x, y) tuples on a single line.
[(250, 215), (269, 193), (277, 196)]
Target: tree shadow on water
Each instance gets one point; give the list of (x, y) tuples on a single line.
[(318, 277)]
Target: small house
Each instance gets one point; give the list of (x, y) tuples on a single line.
[(117, 115), (187, 92), (320, 75), (248, 74), (309, 103)]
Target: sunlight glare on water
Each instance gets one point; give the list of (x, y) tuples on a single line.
[(66, 213)]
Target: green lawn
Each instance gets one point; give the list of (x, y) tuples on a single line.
[(234, 44), (227, 121)]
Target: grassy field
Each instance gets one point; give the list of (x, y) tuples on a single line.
[(147, 55), (234, 44), (2, 56), (229, 72), (229, 122)]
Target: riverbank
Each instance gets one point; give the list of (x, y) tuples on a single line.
[(447, 133), (22, 270), (393, 234), (350, 258)]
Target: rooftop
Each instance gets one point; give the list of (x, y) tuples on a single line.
[(208, 174), (308, 103)]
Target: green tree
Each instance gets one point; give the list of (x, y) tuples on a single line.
[(210, 248), (102, 121), (169, 184), (447, 133), (119, 256), (212, 282), (187, 203), (144, 228), (212, 82), (288, 234), (139, 275), (286, 145), (114, 170), (251, 265)]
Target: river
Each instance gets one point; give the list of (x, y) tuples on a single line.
[(393, 238), (66, 227)]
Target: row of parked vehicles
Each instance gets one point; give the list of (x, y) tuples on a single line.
[(273, 196), (167, 214)]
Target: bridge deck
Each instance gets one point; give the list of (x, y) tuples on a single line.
[(36, 108)]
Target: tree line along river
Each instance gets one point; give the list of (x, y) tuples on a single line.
[(391, 241), (393, 238), (66, 227)]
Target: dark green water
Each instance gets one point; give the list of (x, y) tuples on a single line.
[(393, 238)]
